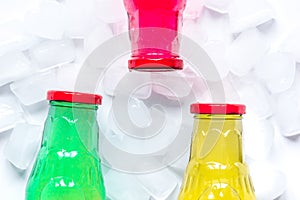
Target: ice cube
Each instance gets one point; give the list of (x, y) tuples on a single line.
[(119, 27), (13, 177), (33, 89), (111, 11), (268, 182), (291, 44), (139, 112), (193, 9), (246, 14), (179, 166), (277, 70), (99, 35), (216, 50), (10, 110), (287, 109), (220, 6), (245, 51), (167, 183), (14, 66), (36, 114), (221, 91), (175, 193), (47, 21), (9, 10), (13, 37), (161, 132), (257, 149), (117, 76), (122, 185), (287, 112), (51, 53), (215, 26), (255, 96), (67, 76), (23, 144), (192, 30), (172, 85), (81, 17), (179, 84)]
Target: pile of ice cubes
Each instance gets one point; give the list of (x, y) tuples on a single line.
[(254, 44)]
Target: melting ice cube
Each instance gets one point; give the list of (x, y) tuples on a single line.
[(258, 137), (167, 183), (246, 14), (47, 21), (10, 111), (23, 144), (13, 66), (33, 89), (245, 51), (277, 70), (51, 53)]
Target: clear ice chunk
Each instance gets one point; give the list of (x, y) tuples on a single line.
[(99, 35), (216, 50), (10, 110), (180, 165), (47, 21), (111, 11), (215, 26), (173, 85), (23, 144), (167, 183), (122, 185), (36, 114), (291, 44), (139, 112), (257, 149), (14, 66), (245, 51), (246, 14), (221, 6), (193, 31), (33, 89), (272, 185), (193, 9), (255, 96), (67, 76), (287, 112), (13, 37), (277, 70), (52, 53), (80, 17), (118, 76)]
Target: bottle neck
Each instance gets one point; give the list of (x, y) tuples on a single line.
[(70, 125), (217, 138)]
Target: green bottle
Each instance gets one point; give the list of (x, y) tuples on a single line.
[(68, 166)]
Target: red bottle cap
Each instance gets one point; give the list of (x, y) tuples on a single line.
[(75, 97), (199, 108), (155, 64)]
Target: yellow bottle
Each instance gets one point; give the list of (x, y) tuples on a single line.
[(216, 169)]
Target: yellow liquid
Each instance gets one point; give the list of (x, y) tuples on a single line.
[(216, 169)]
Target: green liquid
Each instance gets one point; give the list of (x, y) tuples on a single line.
[(68, 166)]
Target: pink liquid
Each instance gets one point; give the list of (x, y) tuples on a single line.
[(154, 27)]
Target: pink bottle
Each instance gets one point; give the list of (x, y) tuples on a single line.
[(154, 27)]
